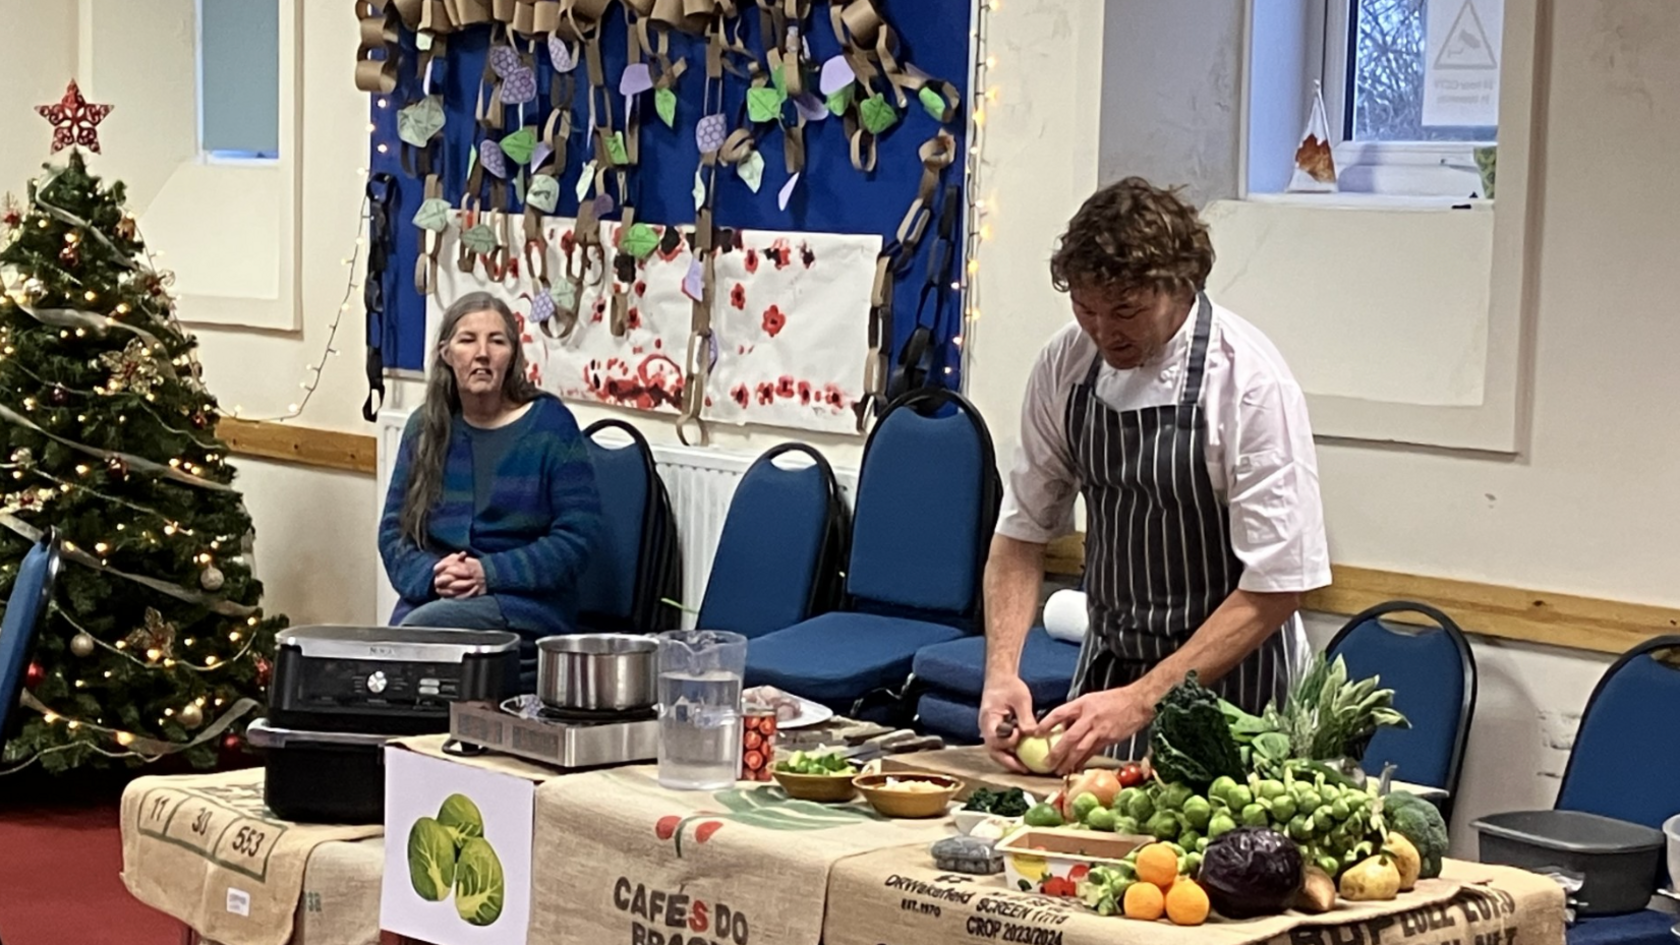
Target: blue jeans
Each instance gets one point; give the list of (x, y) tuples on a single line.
[(459, 613)]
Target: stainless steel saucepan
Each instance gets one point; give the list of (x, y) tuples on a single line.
[(597, 671)]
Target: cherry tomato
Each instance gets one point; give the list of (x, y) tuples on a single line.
[(1131, 775)]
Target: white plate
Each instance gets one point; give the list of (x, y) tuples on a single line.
[(810, 713)]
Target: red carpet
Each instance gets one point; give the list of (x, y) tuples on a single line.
[(59, 876)]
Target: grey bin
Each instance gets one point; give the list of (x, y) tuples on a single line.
[(1620, 861)]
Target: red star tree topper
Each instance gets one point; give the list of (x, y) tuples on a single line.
[(74, 120)]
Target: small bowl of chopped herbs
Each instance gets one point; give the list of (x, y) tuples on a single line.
[(823, 776), (987, 811)]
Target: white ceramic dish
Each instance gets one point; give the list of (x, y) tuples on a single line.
[(810, 713), (967, 820)]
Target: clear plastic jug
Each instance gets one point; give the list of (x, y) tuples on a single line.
[(700, 675)]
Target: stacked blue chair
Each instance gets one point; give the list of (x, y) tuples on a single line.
[(636, 563), (1433, 675), (783, 543), (951, 677), (26, 611), (1626, 765), (927, 500)]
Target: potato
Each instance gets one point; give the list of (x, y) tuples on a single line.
[(1318, 892)]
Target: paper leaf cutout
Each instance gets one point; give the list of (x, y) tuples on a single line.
[(786, 193), (480, 239), (665, 103), (490, 155), (639, 240), (504, 61), (751, 170), (836, 74), (423, 41), (933, 102), (520, 86), (635, 80), (560, 55), (586, 180), (778, 78), (520, 145), (811, 107), (541, 153), (433, 215), (699, 190), (877, 113), (765, 104), (542, 307), (694, 282), (710, 132), (417, 123), (841, 100), (519, 188), (565, 296), (603, 204), (616, 152), (544, 193)]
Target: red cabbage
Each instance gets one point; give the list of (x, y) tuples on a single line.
[(1251, 871)]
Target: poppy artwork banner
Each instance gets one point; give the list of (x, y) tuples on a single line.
[(790, 316)]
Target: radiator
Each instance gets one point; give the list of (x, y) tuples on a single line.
[(700, 482)]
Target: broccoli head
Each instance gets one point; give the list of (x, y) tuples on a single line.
[(1420, 822)]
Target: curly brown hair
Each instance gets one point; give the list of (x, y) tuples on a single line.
[(1132, 234)]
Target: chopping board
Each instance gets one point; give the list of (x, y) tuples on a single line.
[(976, 769)]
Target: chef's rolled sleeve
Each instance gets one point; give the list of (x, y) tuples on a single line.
[(1039, 492), (1277, 515)]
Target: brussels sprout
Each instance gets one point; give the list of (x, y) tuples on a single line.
[(1163, 826), (1221, 786), (1174, 796), (1221, 824), (1084, 804), (1101, 818), (1239, 797), (1270, 789), (460, 816), (479, 884), (1283, 808), (1141, 807), (1197, 812), (1255, 816), (431, 859), (1126, 825)]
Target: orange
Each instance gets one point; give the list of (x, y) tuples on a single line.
[(1143, 901), (1187, 903), (1157, 864)]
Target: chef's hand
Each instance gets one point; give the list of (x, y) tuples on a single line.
[(1093, 722), (458, 575), (1002, 698)]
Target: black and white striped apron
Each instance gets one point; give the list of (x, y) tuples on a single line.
[(1158, 556)]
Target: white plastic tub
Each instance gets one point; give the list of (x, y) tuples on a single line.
[(1671, 830)]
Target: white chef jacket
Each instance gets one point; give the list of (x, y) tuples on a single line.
[(1260, 452)]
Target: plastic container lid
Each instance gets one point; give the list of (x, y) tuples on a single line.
[(1572, 831)]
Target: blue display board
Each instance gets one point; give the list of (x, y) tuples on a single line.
[(832, 196)]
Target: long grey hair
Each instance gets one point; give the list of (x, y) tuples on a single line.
[(443, 401)]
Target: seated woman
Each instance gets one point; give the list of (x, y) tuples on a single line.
[(492, 508)]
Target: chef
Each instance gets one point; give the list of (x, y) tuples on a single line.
[(1183, 429)]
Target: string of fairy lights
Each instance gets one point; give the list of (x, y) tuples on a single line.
[(982, 94), (150, 649)]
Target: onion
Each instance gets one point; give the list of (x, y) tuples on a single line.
[(1102, 782)]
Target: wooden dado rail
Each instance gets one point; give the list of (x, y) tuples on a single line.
[(1511, 613)]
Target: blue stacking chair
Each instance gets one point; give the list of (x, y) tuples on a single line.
[(26, 611), (1626, 765), (951, 677), (784, 540), (1626, 759), (927, 499), (1433, 675), (635, 562)]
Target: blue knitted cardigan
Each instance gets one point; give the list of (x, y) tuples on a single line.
[(536, 532)]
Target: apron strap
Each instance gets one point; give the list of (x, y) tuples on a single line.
[(1198, 351)]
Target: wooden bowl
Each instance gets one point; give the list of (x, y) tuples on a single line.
[(823, 788), (908, 804)]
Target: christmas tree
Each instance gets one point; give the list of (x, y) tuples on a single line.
[(154, 645)]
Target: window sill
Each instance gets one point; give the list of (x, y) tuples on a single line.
[(1361, 201)]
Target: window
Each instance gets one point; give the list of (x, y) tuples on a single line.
[(1411, 89), (239, 78)]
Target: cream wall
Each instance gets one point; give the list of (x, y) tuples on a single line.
[(1585, 508)]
